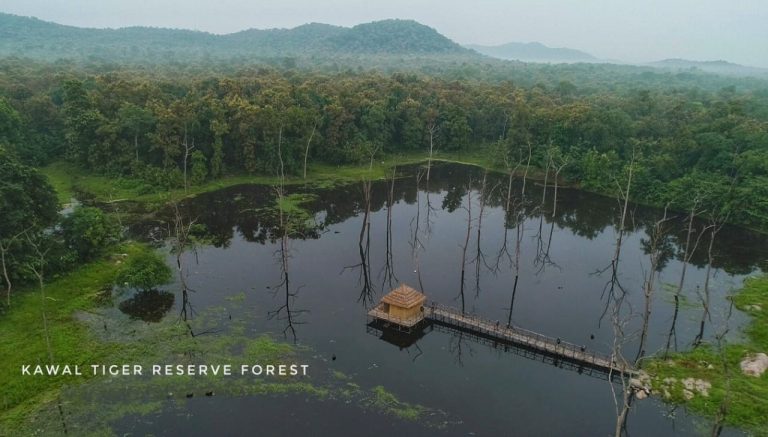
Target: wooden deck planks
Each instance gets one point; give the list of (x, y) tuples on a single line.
[(521, 336)]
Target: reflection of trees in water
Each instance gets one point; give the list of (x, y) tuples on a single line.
[(715, 225), (364, 245), (388, 270), (687, 252), (149, 306), (654, 246), (415, 241), (458, 346), (464, 247), (480, 259), (586, 215), (181, 242)]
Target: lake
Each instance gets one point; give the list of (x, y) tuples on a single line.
[(349, 245)]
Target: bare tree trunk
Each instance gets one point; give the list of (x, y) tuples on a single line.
[(6, 277), (687, 254), (466, 245), (187, 148), (389, 267), (613, 283), (432, 129), (714, 228), (657, 236), (306, 150)]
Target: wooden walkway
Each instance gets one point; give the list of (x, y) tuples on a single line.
[(553, 346)]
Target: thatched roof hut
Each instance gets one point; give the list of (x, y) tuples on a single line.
[(404, 297), (402, 306)]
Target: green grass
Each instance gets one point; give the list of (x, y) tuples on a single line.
[(748, 396), (388, 402), (23, 340), (71, 181), (79, 336)]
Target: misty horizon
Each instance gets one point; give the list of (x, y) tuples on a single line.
[(700, 31)]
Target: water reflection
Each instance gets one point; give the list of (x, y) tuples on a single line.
[(436, 225), (149, 306)]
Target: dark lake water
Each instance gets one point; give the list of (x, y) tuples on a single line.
[(416, 234)]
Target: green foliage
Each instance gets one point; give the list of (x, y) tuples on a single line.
[(684, 131), (89, 232), (199, 168), (27, 200), (144, 271), (28, 205)]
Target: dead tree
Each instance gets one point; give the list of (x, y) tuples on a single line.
[(284, 312), (388, 270), (519, 233), (5, 250), (716, 223), (688, 251), (613, 284), (187, 149), (37, 266), (657, 235), (504, 250), (432, 129), (306, 149), (364, 245), (468, 208), (181, 242), (479, 255)]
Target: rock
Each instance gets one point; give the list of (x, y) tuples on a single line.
[(635, 383), (667, 394), (644, 377), (755, 365), (687, 394), (641, 394), (697, 385)]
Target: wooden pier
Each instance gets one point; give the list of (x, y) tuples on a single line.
[(454, 318), (403, 309)]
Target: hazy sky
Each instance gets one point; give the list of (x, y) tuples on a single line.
[(629, 30)]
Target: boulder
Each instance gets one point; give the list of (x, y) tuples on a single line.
[(755, 365)]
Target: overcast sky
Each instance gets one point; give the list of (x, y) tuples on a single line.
[(628, 30)]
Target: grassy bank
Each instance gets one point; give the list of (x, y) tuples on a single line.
[(745, 398), (23, 339), (86, 328), (71, 181)]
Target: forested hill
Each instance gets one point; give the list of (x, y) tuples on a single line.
[(33, 38), (534, 52), (723, 68)]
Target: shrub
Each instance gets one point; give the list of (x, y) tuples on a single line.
[(144, 271), (88, 231)]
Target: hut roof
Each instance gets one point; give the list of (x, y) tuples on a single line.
[(404, 297)]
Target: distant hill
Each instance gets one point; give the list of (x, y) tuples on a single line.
[(30, 37), (723, 68), (533, 52)]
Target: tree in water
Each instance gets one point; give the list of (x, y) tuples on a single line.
[(464, 247)]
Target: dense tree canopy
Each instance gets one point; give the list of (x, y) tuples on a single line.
[(127, 122)]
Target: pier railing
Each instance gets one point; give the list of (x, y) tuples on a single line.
[(500, 331)]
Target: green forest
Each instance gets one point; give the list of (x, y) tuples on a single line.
[(165, 111), (690, 148), (166, 128)]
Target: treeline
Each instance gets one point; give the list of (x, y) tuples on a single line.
[(689, 147)]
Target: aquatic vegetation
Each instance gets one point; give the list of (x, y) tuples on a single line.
[(388, 402), (738, 399)]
